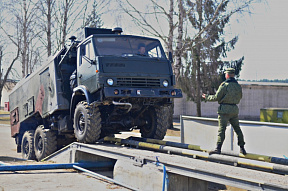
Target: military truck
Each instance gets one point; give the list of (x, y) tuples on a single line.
[(101, 84)]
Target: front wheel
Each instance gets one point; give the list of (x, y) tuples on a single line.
[(27, 146), (45, 142), (87, 123), (157, 122)]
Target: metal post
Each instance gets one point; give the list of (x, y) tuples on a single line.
[(232, 137), (182, 129)]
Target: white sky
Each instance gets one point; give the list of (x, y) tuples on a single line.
[(263, 40)]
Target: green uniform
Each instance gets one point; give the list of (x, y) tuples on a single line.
[(228, 95)]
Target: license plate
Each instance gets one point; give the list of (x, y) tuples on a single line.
[(145, 92)]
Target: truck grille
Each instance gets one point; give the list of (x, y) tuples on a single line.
[(138, 82)]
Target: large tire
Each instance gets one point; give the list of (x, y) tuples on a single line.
[(27, 146), (87, 123), (157, 123), (45, 142)]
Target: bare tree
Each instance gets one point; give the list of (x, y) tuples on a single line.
[(156, 10), (208, 19), (68, 13), (10, 64), (94, 18), (23, 15), (179, 43), (171, 27), (47, 10), (159, 13)]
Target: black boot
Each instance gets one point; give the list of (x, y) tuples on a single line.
[(217, 150), (242, 150)]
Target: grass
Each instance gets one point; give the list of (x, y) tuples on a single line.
[(4, 112), (4, 120)]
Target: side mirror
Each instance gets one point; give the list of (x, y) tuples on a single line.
[(170, 57)]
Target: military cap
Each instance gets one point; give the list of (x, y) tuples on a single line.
[(230, 71)]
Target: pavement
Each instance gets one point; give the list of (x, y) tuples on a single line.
[(45, 179), (51, 179)]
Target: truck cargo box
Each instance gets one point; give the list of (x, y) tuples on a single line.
[(41, 93)]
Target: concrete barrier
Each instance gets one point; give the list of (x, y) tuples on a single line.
[(261, 137)]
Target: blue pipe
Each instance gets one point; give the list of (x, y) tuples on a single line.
[(55, 166), (2, 163), (165, 175)]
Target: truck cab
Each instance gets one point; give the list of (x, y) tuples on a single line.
[(127, 77)]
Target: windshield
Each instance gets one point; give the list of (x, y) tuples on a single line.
[(128, 46)]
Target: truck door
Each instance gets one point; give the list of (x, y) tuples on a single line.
[(86, 68)]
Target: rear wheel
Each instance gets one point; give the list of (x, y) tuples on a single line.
[(156, 123), (45, 142), (87, 123), (27, 146)]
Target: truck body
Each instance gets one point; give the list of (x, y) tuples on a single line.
[(100, 85)]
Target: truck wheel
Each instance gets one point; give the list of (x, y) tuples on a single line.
[(156, 123), (27, 146), (45, 142), (87, 123)]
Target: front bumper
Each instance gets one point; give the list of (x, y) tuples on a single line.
[(117, 92)]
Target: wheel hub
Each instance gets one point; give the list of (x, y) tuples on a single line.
[(39, 144), (26, 148), (81, 123)]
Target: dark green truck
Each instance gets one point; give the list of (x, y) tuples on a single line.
[(103, 83)]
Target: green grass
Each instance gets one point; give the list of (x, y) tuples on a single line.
[(4, 112), (4, 120)]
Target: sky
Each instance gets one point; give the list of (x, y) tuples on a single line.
[(263, 38), (263, 41)]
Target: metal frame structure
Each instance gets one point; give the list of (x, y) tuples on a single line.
[(183, 166)]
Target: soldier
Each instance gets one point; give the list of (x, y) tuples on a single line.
[(228, 95)]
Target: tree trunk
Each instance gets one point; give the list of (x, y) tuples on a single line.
[(49, 24), (65, 22), (178, 63), (198, 60), (171, 28), (198, 87), (24, 50), (1, 88), (4, 80)]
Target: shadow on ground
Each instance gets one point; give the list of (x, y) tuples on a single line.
[(10, 159)]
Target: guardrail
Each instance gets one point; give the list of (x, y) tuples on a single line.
[(261, 138)]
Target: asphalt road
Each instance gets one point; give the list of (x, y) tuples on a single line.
[(8, 146), (42, 180)]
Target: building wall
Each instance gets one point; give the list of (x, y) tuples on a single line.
[(255, 97)]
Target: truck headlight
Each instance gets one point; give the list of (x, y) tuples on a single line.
[(165, 83), (110, 82)]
